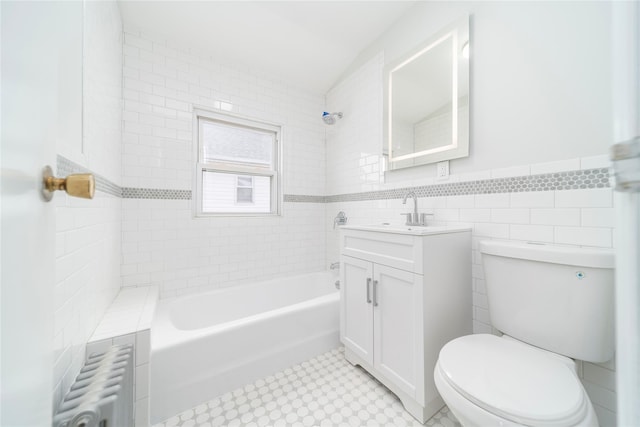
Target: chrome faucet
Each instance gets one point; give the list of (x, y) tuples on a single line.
[(340, 219), (414, 218)]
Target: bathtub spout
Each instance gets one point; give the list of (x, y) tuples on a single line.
[(334, 266)]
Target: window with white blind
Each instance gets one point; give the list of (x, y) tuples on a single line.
[(238, 167)]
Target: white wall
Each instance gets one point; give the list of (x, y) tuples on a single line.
[(530, 63), (163, 243), (88, 231), (354, 144), (539, 103)]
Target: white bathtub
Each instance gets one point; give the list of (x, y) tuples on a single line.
[(204, 345)]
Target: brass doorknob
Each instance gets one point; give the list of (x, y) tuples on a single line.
[(76, 185)]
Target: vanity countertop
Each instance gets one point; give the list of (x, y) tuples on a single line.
[(416, 230)]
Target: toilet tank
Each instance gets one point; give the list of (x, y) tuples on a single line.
[(556, 298)]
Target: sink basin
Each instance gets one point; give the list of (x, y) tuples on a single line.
[(416, 230)]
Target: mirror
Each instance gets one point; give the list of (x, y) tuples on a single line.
[(426, 100)]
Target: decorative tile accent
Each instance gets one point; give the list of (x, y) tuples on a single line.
[(155, 193), (66, 167), (301, 198), (324, 391), (571, 180)]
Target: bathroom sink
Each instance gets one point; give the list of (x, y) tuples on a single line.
[(416, 230)]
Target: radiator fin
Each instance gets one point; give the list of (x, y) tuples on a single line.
[(102, 394)]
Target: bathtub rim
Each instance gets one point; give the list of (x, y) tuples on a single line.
[(164, 335)]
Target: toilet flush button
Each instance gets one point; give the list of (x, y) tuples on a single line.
[(580, 275)]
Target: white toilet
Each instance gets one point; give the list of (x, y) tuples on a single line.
[(552, 304)]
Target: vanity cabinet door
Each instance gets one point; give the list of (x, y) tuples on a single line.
[(398, 327), (356, 307)]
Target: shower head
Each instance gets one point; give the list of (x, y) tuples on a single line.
[(331, 118)]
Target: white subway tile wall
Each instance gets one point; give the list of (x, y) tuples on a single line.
[(102, 87), (87, 277), (162, 243), (88, 231), (354, 161), (582, 217), (511, 171)]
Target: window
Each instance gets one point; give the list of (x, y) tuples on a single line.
[(244, 189), (238, 169)]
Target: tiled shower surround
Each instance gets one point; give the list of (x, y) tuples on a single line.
[(161, 242)]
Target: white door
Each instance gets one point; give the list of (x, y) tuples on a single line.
[(32, 70), (398, 326), (626, 117), (356, 308)]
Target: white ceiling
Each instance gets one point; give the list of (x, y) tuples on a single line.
[(308, 43)]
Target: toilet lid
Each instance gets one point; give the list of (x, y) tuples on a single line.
[(513, 380)]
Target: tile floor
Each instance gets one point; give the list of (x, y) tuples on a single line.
[(324, 391)]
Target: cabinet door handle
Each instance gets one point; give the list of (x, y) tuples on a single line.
[(375, 293), (368, 290)]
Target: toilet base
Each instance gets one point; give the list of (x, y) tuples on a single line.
[(471, 415), (418, 411)]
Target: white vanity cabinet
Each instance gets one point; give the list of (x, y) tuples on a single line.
[(383, 335), (405, 292)]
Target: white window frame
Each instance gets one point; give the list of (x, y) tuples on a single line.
[(275, 173), (238, 186)]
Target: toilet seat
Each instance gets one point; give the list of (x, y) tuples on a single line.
[(513, 380)]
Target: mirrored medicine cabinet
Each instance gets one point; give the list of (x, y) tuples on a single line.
[(426, 100)]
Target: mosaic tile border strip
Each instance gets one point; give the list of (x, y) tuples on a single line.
[(303, 198), (571, 180), (155, 193), (66, 167)]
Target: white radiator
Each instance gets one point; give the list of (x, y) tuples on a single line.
[(102, 394)]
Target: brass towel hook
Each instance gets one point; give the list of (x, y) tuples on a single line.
[(76, 185)]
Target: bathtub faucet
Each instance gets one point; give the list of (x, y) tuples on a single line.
[(340, 219), (334, 266)]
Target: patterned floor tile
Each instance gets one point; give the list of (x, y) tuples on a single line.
[(324, 391)]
